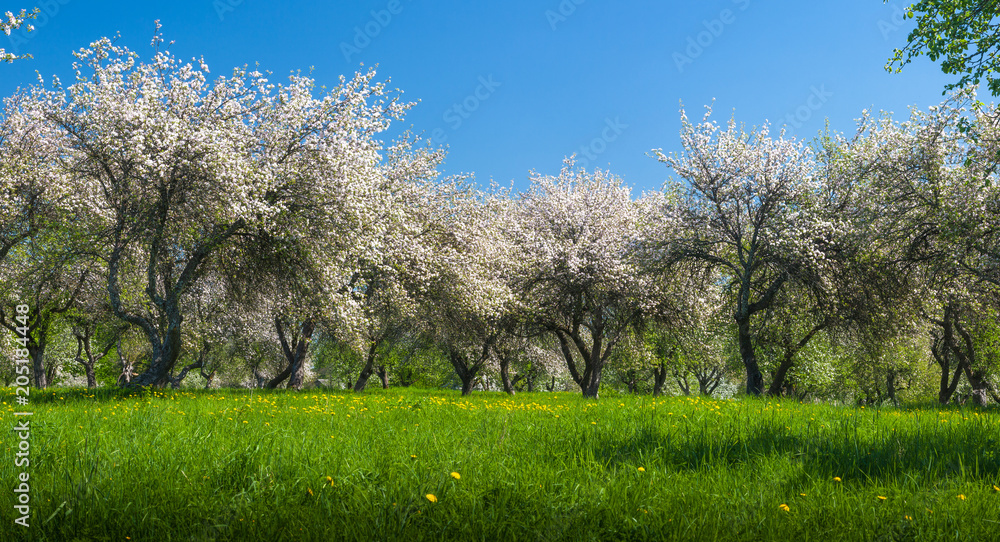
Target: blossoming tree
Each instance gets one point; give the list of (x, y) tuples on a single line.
[(10, 22), (582, 278), (177, 167), (750, 209)]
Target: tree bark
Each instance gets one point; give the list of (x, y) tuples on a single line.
[(368, 369), (755, 380), (175, 382), (659, 378), (467, 371), (83, 346), (508, 387), (383, 375), (295, 353)]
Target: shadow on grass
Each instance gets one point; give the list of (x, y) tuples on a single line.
[(969, 450)]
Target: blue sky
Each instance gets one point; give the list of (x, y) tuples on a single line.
[(516, 86)]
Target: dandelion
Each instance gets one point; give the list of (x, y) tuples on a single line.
[(836, 479), (908, 518), (309, 491), (642, 469), (329, 480), (784, 507), (431, 497), (996, 488), (456, 476), (881, 498), (961, 497), (413, 457)]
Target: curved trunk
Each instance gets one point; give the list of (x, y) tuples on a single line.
[(508, 387), (368, 369), (383, 375), (165, 354), (277, 380), (778, 382)]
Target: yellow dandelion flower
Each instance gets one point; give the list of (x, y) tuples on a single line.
[(456, 476), (802, 494), (881, 498), (431, 497), (836, 479), (329, 480), (996, 488), (309, 491), (642, 469), (413, 457), (908, 518), (961, 497), (784, 507)]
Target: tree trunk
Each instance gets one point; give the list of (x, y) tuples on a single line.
[(788, 361), (298, 375), (552, 385), (126, 364), (88, 364), (944, 349), (295, 353), (467, 384), (778, 383), (36, 351), (508, 387), (277, 380), (175, 383), (890, 383), (383, 375), (368, 369), (755, 380), (708, 381), (594, 381), (208, 378), (980, 388), (659, 378), (466, 372), (947, 390), (165, 354)]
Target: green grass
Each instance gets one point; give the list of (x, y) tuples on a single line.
[(274, 466)]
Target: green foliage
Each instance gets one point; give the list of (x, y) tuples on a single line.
[(275, 466), (963, 34)]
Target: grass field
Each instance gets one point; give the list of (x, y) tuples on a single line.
[(431, 465)]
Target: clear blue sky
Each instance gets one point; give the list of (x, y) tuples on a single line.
[(534, 81)]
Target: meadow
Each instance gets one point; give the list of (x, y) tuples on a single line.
[(409, 464)]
